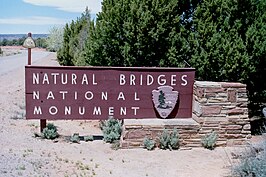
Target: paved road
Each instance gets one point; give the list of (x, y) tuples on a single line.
[(9, 63)]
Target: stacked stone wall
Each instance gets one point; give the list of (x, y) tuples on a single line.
[(217, 106), (222, 107)]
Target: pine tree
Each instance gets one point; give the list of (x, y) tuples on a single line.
[(219, 50), (228, 42), (256, 47), (63, 55), (161, 99), (139, 33), (75, 39)]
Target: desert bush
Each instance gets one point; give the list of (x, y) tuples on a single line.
[(112, 129), (50, 132), (252, 163), (169, 140), (149, 144), (88, 138), (209, 141), (75, 138)]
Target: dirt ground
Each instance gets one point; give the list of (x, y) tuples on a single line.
[(22, 154)]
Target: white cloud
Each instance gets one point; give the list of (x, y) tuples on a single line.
[(70, 5), (34, 20)]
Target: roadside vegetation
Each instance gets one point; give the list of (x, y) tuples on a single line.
[(223, 40), (253, 162), (40, 42)]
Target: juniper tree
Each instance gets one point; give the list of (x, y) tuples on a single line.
[(140, 33)]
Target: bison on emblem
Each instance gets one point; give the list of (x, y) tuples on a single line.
[(164, 99)]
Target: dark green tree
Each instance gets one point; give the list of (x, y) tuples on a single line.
[(76, 35), (140, 33), (161, 99), (63, 56), (228, 44), (218, 41), (256, 47)]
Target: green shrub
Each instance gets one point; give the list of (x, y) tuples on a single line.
[(75, 138), (149, 144), (209, 141), (1, 51), (88, 138), (169, 140), (112, 129), (252, 163), (50, 132)]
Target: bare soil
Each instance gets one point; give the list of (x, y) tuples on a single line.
[(22, 154)]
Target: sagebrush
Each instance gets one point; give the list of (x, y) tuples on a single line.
[(75, 138), (209, 140), (252, 163), (112, 129), (50, 132), (169, 140), (149, 144)]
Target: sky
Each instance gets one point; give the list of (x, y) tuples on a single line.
[(39, 16)]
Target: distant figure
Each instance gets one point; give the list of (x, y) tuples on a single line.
[(264, 111)]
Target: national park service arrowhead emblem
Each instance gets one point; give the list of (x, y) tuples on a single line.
[(164, 99)]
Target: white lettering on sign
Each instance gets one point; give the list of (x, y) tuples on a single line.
[(45, 79), (63, 94), (184, 83), (161, 80), (149, 79), (111, 111), (97, 111), (121, 96), (84, 79), (173, 80), (89, 95), (122, 79), (57, 78), (35, 78), (135, 110), (104, 96), (136, 97), (50, 95), (112, 100), (37, 110), (36, 95), (81, 112), (123, 111), (67, 110), (53, 110)]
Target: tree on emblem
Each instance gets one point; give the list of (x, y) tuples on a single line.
[(161, 100)]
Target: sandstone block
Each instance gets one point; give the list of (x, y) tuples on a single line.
[(211, 110), (214, 90), (234, 127), (245, 132), (233, 131), (136, 134), (236, 111), (231, 95), (247, 127), (197, 108), (232, 85), (199, 92), (207, 84)]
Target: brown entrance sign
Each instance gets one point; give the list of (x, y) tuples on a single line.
[(101, 92)]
